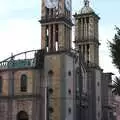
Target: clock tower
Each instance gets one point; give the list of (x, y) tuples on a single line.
[(56, 25), (60, 63)]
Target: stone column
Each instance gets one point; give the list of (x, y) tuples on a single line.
[(82, 37), (10, 94), (85, 30)]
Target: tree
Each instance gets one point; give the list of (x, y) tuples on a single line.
[(115, 54), (115, 49), (116, 86)]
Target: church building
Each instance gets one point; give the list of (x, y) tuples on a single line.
[(57, 82)]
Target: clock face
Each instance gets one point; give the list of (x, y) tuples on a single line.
[(68, 4), (51, 3)]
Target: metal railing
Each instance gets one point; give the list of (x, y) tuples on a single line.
[(20, 60)]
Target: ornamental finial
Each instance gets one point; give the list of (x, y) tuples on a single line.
[(86, 2)]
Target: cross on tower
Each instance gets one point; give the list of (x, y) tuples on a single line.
[(86, 2)]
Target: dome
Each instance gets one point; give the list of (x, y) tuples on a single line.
[(86, 9)]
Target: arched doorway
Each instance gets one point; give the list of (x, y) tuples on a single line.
[(22, 116)]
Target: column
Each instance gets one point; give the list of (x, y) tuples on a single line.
[(82, 32), (49, 37), (43, 36), (86, 53), (85, 29), (82, 50)]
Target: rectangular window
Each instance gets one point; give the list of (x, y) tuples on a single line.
[(56, 32)]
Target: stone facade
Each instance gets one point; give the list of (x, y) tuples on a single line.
[(107, 97), (58, 83), (13, 100), (87, 42), (63, 98)]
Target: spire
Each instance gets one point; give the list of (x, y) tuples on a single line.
[(86, 2)]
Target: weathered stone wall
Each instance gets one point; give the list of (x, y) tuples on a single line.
[(52, 62), (5, 80), (17, 78), (3, 110), (12, 101), (22, 105)]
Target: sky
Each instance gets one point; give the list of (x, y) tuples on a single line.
[(20, 29)]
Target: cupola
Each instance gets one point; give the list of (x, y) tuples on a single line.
[(86, 8)]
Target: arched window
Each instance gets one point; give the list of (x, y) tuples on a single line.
[(22, 116), (23, 83), (1, 82)]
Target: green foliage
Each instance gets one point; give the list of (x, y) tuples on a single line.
[(115, 49), (116, 86)]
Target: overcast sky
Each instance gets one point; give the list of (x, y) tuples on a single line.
[(20, 29)]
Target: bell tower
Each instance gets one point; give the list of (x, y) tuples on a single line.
[(56, 25), (86, 34)]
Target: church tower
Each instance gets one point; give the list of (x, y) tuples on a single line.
[(87, 42), (60, 63), (86, 34), (56, 25)]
